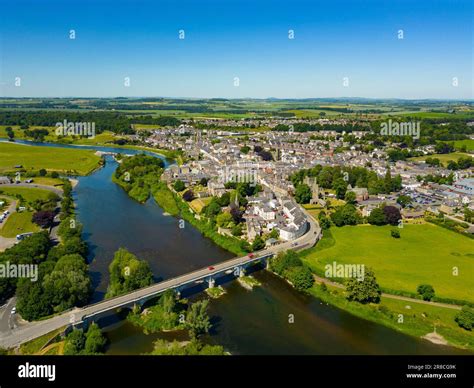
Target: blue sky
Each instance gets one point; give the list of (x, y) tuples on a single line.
[(245, 39)]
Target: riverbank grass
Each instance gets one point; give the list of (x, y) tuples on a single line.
[(425, 254), (36, 345), (411, 318), (34, 158)]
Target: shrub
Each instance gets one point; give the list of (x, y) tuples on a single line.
[(301, 277), (426, 291), (465, 318), (395, 233)]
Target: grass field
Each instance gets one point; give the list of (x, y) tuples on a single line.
[(198, 203), (30, 194), (47, 181), (50, 158), (418, 319), (105, 137), (444, 158), (425, 253), (468, 143), (18, 223)]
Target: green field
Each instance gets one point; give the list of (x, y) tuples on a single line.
[(29, 194), (18, 223), (63, 160), (424, 254), (444, 158), (47, 181), (469, 143), (418, 319)]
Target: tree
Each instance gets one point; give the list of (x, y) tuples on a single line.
[(301, 277), (43, 218), (284, 261), (444, 148), (68, 284), (303, 193), (75, 342), (346, 215), (224, 199), (237, 230), (324, 221), (188, 195), (212, 209), (42, 172), (258, 244), (404, 200), (465, 318), (95, 340), (197, 319), (275, 233), (245, 149), (224, 219), (377, 217), (426, 291), (127, 273), (392, 214), (168, 301), (179, 185), (364, 291), (340, 187), (10, 133), (350, 197)]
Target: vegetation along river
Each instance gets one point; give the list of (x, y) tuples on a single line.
[(245, 322)]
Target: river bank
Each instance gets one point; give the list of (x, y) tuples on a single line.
[(246, 322)]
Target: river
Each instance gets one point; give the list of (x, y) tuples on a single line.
[(245, 322)]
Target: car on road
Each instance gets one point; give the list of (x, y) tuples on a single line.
[(211, 268), (294, 244), (251, 255), (13, 310)]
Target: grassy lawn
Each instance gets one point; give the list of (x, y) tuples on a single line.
[(314, 210), (469, 143), (198, 203), (30, 194), (47, 181), (425, 253), (444, 158), (164, 198), (49, 158), (418, 319), (34, 346), (18, 223)]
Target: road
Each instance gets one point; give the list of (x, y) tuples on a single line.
[(31, 330), (7, 321)]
